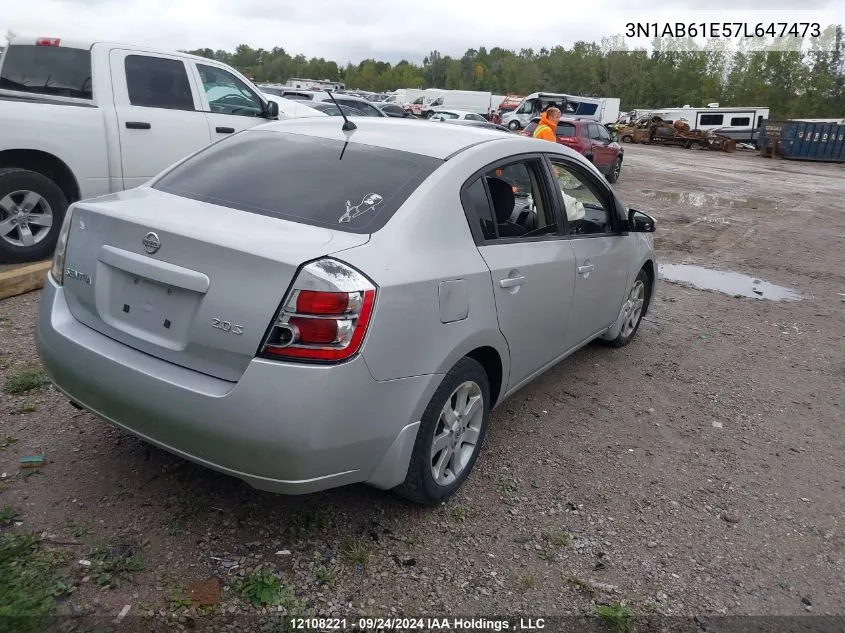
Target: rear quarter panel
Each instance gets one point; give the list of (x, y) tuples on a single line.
[(428, 241)]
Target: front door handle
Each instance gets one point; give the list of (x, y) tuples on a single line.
[(583, 270), (224, 130), (138, 125), (510, 282)]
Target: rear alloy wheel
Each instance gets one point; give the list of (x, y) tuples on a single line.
[(32, 208), (633, 309), (450, 436), (613, 176)]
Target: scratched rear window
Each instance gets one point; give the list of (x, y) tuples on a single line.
[(344, 186)]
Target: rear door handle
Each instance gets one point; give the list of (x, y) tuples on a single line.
[(224, 130), (585, 269), (138, 125), (510, 282)]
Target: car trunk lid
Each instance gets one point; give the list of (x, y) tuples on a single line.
[(186, 281)]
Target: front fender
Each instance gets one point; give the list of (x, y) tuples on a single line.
[(645, 256)]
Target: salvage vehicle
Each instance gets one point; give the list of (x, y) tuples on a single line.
[(310, 304), (80, 119), (590, 139)]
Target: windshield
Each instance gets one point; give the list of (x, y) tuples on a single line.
[(345, 186), (48, 70)]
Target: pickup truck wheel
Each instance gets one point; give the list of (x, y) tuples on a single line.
[(32, 208), (451, 433)]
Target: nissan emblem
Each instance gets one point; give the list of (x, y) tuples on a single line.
[(151, 243)]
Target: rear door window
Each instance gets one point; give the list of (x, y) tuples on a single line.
[(346, 186), (158, 82), (48, 70)]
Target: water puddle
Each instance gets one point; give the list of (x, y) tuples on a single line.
[(700, 199), (727, 282)]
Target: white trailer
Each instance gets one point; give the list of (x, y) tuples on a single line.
[(740, 123)]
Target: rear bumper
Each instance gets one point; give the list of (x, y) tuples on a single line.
[(283, 427)]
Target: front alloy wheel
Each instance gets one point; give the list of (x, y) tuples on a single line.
[(635, 306)]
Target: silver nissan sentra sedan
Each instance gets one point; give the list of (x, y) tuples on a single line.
[(304, 305)]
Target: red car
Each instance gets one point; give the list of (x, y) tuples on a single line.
[(590, 139)]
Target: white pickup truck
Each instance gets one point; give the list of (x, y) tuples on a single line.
[(82, 119)]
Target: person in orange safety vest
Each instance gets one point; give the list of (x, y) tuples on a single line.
[(548, 124)]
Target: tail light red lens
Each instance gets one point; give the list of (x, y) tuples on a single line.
[(315, 331), (313, 302), (47, 41), (322, 325)]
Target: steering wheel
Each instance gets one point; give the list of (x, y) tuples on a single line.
[(234, 99)]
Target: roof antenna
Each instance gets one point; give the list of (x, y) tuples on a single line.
[(347, 124)]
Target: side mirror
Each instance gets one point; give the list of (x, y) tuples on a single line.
[(639, 222), (272, 110)]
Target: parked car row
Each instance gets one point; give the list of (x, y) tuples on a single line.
[(82, 119)]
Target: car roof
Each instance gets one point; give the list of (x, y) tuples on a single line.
[(478, 124), (417, 137), (451, 111)]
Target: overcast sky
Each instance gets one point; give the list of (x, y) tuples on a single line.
[(390, 30)]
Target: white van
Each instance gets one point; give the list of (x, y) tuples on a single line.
[(603, 110), (466, 100)]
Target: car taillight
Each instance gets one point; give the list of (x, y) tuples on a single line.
[(57, 270), (324, 316), (47, 41)]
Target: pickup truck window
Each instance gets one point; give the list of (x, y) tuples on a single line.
[(158, 82), (227, 94), (49, 70)]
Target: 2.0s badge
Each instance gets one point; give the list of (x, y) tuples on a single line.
[(227, 326)]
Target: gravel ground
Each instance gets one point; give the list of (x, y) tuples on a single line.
[(698, 471)]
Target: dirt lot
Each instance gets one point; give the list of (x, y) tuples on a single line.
[(700, 470)]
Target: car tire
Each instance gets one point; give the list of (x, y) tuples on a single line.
[(513, 126), (421, 485), (627, 139), (640, 294), (615, 171), (16, 185)]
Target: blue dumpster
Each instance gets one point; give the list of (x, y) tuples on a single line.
[(802, 140)]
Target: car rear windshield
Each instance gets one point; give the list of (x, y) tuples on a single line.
[(48, 70), (565, 129), (345, 186)]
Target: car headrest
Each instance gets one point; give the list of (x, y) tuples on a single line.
[(503, 198)]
